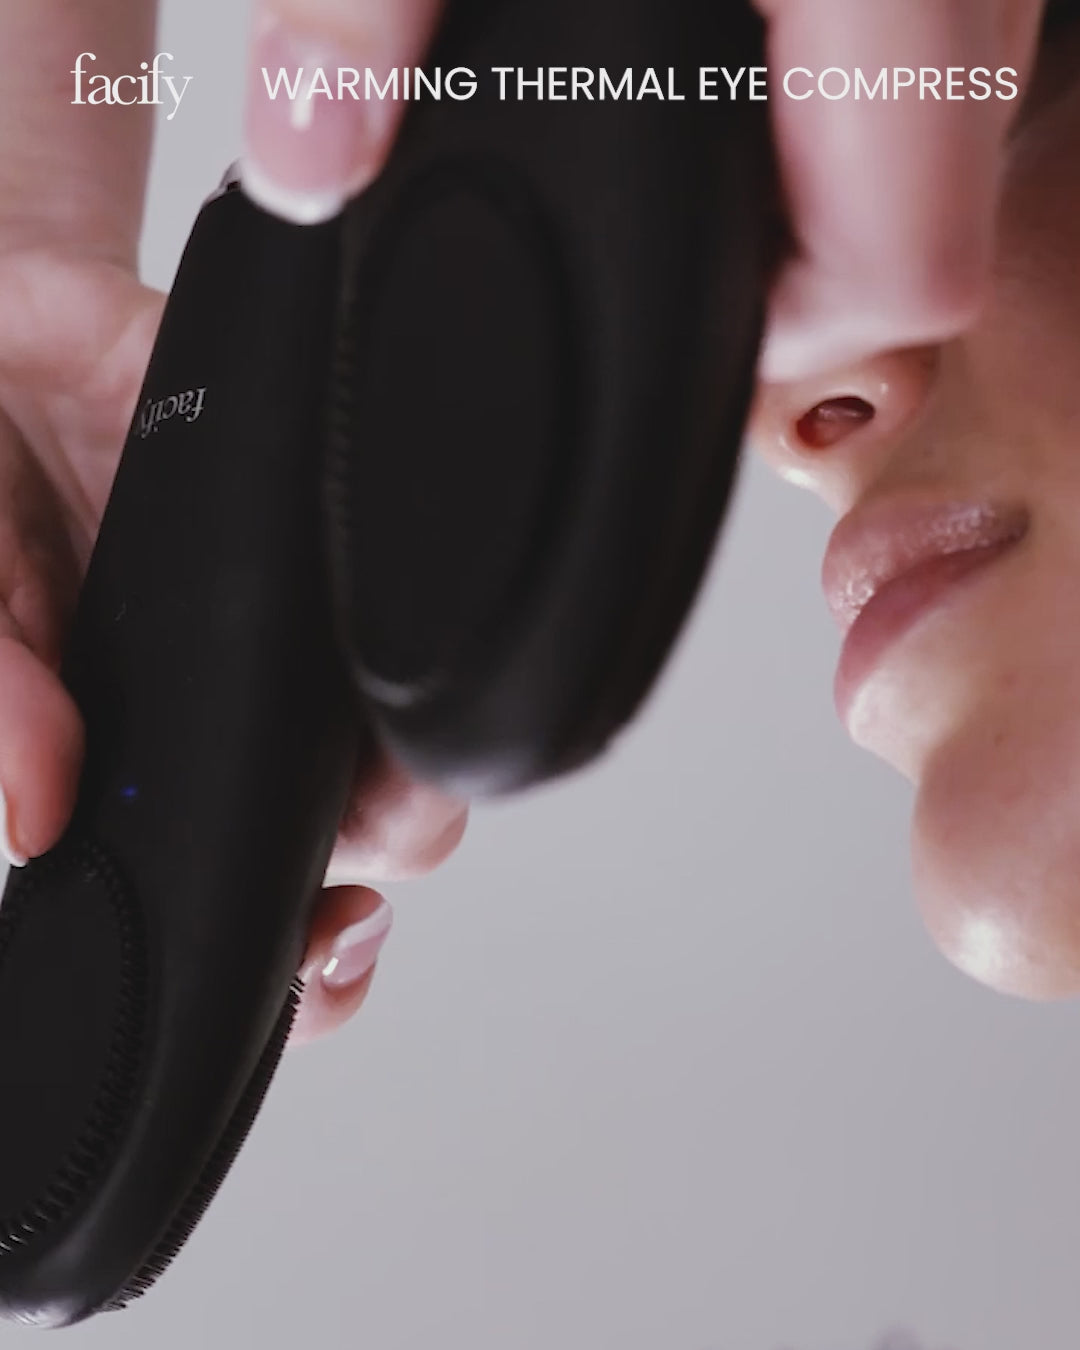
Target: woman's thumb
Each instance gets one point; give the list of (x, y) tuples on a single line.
[(41, 745), (324, 97)]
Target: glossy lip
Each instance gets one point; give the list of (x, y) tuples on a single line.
[(886, 566)]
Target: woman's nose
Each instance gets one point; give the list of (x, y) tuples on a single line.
[(835, 433)]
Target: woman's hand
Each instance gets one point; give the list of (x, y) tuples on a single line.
[(892, 203), (75, 337)]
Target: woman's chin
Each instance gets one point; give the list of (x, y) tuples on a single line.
[(996, 862), (982, 934)]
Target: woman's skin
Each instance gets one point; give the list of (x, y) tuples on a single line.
[(894, 220), (974, 694)]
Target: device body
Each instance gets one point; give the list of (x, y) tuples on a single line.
[(221, 741), (451, 466)]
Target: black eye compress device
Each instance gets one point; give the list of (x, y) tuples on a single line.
[(444, 473)]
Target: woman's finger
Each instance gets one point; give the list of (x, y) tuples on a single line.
[(348, 930), (74, 345), (394, 828), (73, 349), (41, 746), (311, 142), (892, 199), (41, 734)]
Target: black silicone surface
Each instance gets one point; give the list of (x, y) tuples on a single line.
[(72, 1010), (461, 478)]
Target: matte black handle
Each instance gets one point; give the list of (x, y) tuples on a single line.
[(221, 741)]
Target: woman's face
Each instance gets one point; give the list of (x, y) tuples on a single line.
[(955, 571)]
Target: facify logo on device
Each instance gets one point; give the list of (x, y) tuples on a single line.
[(103, 89), (154, 411)]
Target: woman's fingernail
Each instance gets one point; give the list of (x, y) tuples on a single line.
[(356, 949), (312, 138), (7, 844)]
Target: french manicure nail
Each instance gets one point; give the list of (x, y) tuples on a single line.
[(356, 948), (310, 141), (7, 846)]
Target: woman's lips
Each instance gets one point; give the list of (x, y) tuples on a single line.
[(886, 566)]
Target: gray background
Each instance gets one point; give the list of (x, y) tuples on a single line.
[(662, 1059)]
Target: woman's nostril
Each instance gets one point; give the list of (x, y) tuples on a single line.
[(831, 421)]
